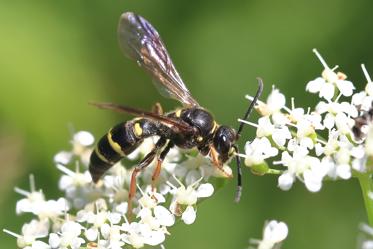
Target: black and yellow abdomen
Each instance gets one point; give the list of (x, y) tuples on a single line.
[(120, 141)]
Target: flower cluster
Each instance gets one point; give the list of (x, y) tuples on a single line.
[(312, 144), (95, 215)]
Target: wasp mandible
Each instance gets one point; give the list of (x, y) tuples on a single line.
[(192, 126)]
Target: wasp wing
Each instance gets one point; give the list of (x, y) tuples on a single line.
[(141, 42), (175, 124)]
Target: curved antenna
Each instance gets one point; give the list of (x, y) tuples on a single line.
[(237, 197), (252, 104)]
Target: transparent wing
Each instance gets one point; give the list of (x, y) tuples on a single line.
[(176, 124), (141, 42)]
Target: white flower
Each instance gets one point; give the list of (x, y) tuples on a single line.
[(138, 235), (69, 236), (77, 186), (279, 133), (275, 101), (81, 143), (153, 214), (330, 80), (112, 235), (164, 216), (52, 209), (38, 245), (199, 166), (32, 231), (274, 233), (32, 201), (259, 150), (307, 168), (185, 198)]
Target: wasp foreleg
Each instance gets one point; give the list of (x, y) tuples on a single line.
[(217, 163)]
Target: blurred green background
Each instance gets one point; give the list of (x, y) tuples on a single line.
[(56, 56)]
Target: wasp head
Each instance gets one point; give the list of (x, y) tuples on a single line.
[(224, 140)]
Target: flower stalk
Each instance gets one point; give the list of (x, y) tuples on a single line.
[(366, 185)]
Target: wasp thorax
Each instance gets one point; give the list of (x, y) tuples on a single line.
[(224, 139), (200, 119)]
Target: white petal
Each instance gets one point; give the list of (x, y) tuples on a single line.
[(329, 121), (357, 98), (105, 230), (276, 100), (164, 216), (122, 208), (155, 238), (314, 86), (91, 234), (189, 215), (285, 181), (275, 231), (349, 109), (65, 182), (40, 245), (312, 181), (327, 91), (54, 240), (359, 165), (63, 157), (279, 118), (76, 243), (84, 138), (279, 136), (344, 171), (114, 218), (265, 127), (319, 149), (205, 190), (322, 107), (346, 87)]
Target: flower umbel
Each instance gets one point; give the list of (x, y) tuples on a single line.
[(94, 215), (313, 144)]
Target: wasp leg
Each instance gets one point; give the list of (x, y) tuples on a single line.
[(157, 169), (157, 109), (142, 165), (216, 162)]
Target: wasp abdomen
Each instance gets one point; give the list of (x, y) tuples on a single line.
[(120, 141)]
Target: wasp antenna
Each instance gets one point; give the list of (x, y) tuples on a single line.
[(237, 197), (252, 104)]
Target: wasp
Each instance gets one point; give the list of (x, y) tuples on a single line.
[(191, 126), (360, 123)]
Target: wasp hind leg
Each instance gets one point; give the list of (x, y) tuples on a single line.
[(142, 165)]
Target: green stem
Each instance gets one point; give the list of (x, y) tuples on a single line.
[(366, 185)]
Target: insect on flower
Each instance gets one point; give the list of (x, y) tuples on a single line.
[(192, 126), (361, 122)]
